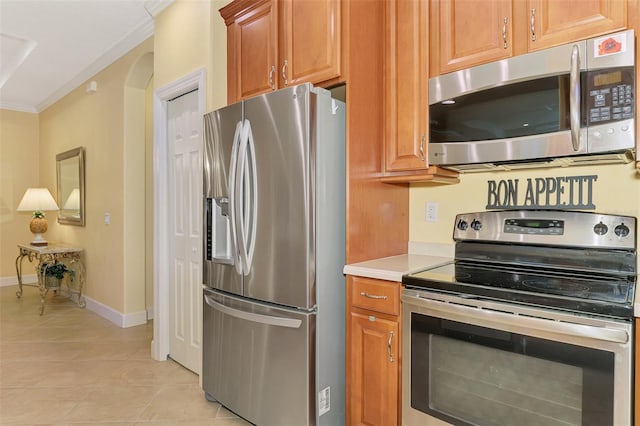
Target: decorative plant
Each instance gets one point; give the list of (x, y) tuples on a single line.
[(56, 269)]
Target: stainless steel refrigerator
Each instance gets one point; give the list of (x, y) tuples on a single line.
[(274, 215)]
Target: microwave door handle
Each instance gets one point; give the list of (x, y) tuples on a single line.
[(574, 98)]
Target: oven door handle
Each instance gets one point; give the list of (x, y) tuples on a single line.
[(485, 316)]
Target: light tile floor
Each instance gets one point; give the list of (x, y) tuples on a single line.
[(73, 367)]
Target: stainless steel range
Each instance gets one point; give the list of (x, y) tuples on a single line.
[(530, 324)]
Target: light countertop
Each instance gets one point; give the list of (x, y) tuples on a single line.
[(393, 268)]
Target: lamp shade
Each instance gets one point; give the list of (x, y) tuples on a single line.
[(37, 199), (73, 202)]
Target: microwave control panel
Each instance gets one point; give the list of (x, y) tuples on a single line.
[(609, 95)]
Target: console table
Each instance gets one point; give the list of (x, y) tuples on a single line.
[(49, 255)]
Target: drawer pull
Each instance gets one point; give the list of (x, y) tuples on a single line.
[(373, 296)]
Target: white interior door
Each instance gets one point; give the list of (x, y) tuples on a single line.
[(184, 135)]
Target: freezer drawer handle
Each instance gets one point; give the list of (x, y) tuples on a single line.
[(250, 316)]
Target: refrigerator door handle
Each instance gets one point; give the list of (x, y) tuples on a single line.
[(233, 195), (249, 185), (253, 317)]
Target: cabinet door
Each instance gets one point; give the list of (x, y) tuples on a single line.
[(471, 32), (311, 40), (406, 85), (254, 51), (555, 22), (374, 371)]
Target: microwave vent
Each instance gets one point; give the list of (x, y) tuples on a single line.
[(585, 160)]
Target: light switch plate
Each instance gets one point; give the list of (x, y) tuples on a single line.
[(431, 212)]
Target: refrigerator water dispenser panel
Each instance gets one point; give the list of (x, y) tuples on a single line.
[(218, 231)]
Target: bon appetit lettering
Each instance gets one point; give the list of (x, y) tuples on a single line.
[(566, 192)]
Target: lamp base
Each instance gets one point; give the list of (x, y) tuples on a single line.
[(38, 240)]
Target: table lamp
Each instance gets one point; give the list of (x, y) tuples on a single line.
[(38, 200)]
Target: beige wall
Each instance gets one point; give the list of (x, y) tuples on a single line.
[(19, 170), (96, 121), (191, 35), (616, 191)]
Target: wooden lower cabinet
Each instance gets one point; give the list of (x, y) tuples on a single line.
[(636, 409), (373, 352)]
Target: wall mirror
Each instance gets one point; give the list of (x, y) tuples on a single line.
[(70, 179)]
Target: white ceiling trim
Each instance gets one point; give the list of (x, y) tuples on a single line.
[(118, 50), (137, 34)]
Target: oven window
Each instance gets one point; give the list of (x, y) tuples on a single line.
[(519, 109), (470, 375)]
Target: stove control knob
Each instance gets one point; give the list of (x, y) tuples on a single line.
[(463, 225), (621, 230), (476, 224), (600, 229)]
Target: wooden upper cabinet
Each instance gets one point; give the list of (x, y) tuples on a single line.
[(466, 33), (252, 47), (406, 85), (471, 32), (406, 100), (272, 44), (311, 33), (554, 22)]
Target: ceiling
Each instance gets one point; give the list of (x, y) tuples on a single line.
[(50, 47)]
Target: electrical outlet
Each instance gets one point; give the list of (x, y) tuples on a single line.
[(431, 212)]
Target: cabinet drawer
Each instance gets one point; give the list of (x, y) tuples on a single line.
[(376, 295)]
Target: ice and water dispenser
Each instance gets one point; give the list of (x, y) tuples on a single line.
[(218, 230)]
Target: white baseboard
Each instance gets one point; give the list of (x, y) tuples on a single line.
[(13, 280), (116, 317)]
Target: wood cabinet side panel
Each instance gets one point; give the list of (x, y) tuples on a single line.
[(377, 213), (633, 22)]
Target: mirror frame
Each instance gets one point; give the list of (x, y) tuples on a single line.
[(64, 219)]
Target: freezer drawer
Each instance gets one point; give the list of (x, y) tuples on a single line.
[(259, 360)]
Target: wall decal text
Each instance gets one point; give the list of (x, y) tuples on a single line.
[(566, 193)]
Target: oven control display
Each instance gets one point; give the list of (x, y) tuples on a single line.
[(534, 226)]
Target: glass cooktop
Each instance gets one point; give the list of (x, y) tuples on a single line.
[(589, 293)]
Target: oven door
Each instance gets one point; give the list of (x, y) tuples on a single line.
[(478, 362)]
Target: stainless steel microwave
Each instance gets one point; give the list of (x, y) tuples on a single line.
[(570, 104)]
